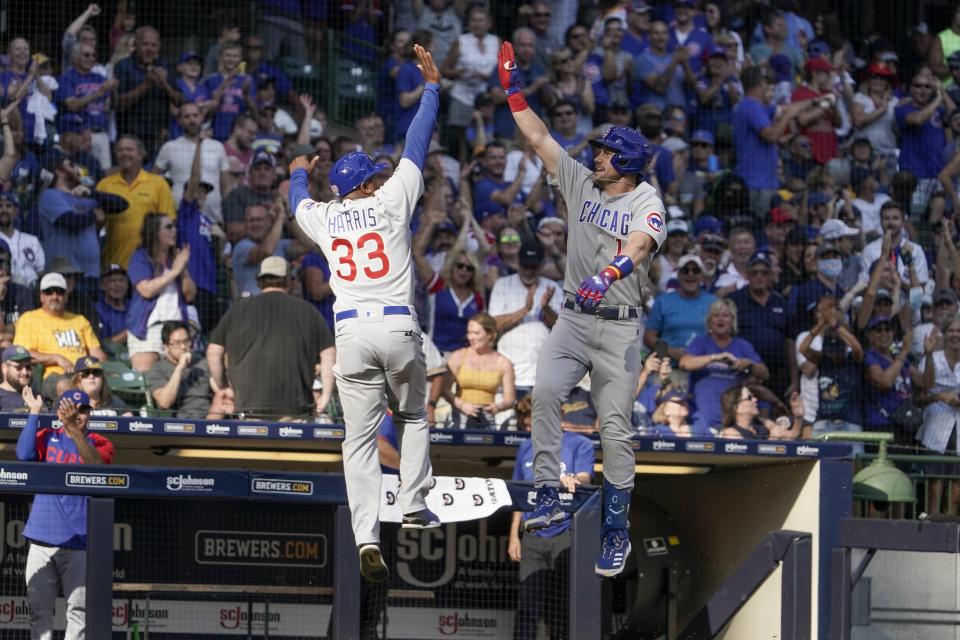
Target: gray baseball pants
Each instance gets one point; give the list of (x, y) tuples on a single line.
[(607, 349), (381, 363), (46, 568)]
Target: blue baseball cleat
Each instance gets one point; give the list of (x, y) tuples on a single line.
[(547, 510), (423, 519), (613, 553)]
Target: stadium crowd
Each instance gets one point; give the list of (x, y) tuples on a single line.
[(808, 282)]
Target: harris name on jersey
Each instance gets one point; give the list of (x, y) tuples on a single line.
[(352, 220)]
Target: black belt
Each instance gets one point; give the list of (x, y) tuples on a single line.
[(604, 313)]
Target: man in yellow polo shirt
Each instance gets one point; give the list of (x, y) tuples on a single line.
[(55, 338), (146, 192)]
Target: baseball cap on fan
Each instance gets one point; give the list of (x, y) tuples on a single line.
[(77, 397), (531, 254), (274, 266)]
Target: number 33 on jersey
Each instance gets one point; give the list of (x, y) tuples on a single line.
[(367, 241)]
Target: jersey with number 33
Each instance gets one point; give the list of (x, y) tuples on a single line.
[(367, 241), (598, 227)]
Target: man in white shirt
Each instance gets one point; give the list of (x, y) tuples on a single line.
[(26, 253), (891, 219), (176, 159), (525, 306)]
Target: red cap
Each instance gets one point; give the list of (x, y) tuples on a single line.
[(779, 216), (818, 63), (880, 69)]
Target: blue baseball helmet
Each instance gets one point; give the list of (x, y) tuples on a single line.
[(633, 152), (351, 171)]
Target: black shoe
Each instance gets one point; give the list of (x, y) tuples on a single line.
[(372, 566), (423, 519)]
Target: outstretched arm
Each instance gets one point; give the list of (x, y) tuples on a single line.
[(529, 123), (421, 128)]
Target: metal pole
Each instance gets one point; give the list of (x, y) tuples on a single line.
[(99, 567), (841, 593), (795, 590), (584, 592), (346, 578)]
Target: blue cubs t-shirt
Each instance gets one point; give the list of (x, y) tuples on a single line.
[(756, 158), (409, 78), (193, 228), (232, 103), (918, 142), (74, 84), (880, 403), (709, 383)]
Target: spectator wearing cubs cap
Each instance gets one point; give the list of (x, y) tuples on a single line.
[(762, 319), (112, 306)]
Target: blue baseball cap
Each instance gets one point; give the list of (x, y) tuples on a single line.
[(187, 56), (351, 171), (818, 48), (702, 135), (71, 123), (10, 197), (76, 396), (716, 51), (760, 256), (707, 223), (817, 198)]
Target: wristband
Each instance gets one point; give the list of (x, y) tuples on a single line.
[(517, 101), (619, 268)]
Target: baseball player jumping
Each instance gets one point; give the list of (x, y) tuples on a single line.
[(366, 237), (616, 225)]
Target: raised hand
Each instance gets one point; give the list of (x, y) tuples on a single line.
[(181, 259), (301, 162), (507, 69), (426, 65), (33, 401), (309, 108)]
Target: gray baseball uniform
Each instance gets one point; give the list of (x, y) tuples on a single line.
[(380, 358), (598, 229)]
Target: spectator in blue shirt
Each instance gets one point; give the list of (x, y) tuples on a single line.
[(409, 87), (564, 131), (17, 83), (920, 122), (665, 75), (72, 133), (144, 91), (678, 317), (757, 126), (717, 360), (263, 71), (112, 306), (762, 318), (696, 40), (69, 214), (232, 91), (203, 236), (491, 191), (190, 85), (718, 91), (804, 297), (638, 28), (84, 92), (776, 33)]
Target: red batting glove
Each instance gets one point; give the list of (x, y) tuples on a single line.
[(510, 77)]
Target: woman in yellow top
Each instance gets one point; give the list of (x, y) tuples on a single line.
[(479, 372)]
